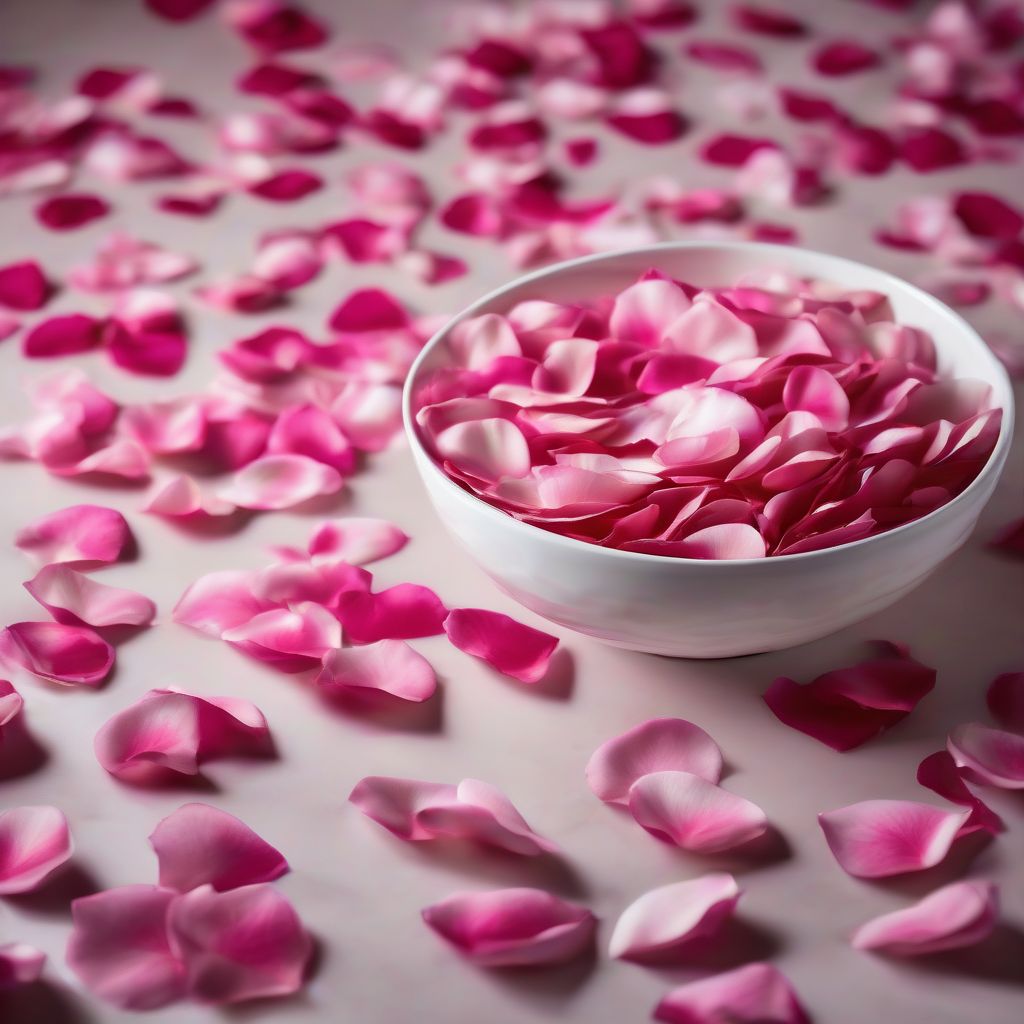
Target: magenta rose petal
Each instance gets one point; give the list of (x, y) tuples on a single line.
[(78, 535), (754, 993), (988, 756), (280, 481), (23, 286), (20, 964), (60, 653), (512, 927), (219, 601), (70, 211), (661, 921), (62, 336), (34, 843), (514, 649), (178, 10), (120, 950), (1005, 699), (939, 773), (274, 26), (290, 639), (76, 599), (387, 666), (877, 838), (957, 915), (402, 612), (659, 745), (369, 309)]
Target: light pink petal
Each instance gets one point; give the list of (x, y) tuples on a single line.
[(488, 449), (52, 650), (514, 649), (388, 666), (356, 540), (280, 481), (754, 994), (120, 950), (180, 497), (401, 612), (218, 602), (725, 540), (296, 583), (291, 639), (34, 842), (812, 389), (287, 186), (370, 414), (659, 745), (201, 845), (74, 598), (957, 915), (79, 534), (663, 919), (23, 286), (64, 335), (939, 773), (11, 704), (691, 812), (69, 211), (20, 964), (512, 927), (709, 330), (991, 757), (876, 838), (395, 803), (245, 294), (644, 310), (287, 262), (1005, 700)]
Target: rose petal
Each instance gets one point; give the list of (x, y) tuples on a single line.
[(514, 649), (991, 757), (659, 745), (663, 919), (67, 212), (273, 26), (23, 286), (512, 927), (388, 666), (308, 430), (200, 845), (691, 812), (725, 540), (218, 602), (356, 540), (62, 336), (812, 389), (34, 842), (987, 216), (280, 481), (369, 309), (63, 654), (1005, 700), (178, 10), (292, 640), (287, 186), (73, 598), (180, 498), (957, 915), (754, 994), (844, 57), (939, 773), (20, 964), (877, 838), (77, 535), (401, 612)]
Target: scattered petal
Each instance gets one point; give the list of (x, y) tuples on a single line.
[(76, 599), (514, 649), (34, 842)]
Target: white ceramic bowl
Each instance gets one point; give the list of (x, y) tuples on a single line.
[(713, 609)]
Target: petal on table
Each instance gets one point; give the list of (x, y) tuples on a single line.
[(73, 598), (34, 842), (11, 704), (991, 757), (356, 539), (52, 650), (511, 647), (1006, 700), (218, 602), (280, 481), (401, 612), (288, 638), (939, 773), (78, 534), (387, 666)]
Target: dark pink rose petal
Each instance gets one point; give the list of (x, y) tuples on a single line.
[(63, 335), (291, 639), (8, 326), (988, 756), (148, 353), (659, 745), (218, 602), (245, 294), (80, 534), (20, 964), (170, 731), (939, 773), (1005, 700), (514, 649), (274, 79), (957, 915), (11, 704), (280, 481), (178, 10), (120, 949), (877, 838), (767, 21), (199, 205), (369, 309), (512, 927), (425, 811), (67, 212), (473, 214), (23, 286), (199, 845), (661, 921), (754, 994), (646, 115), (63, 654), (388, 666), (274, 26), (928, 149), (987, 216), (74, 598), (401, 612), (733, 150), (688, 811), (34, 842), (845, 57), (287, 186), (723, 56)]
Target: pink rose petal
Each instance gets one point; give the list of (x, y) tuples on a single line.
[(514, 649), (34, 842), (369, 309), (402, 612), (181, 498), (274, 26), (877, 838), (67, 212), (80, 534), (812, 389), (1011, 539), (20, 964), (1005, 699), (200, 845), (487, 449), (178, 10), (659, 745), (957, 915), (76, 599), (664, 919), (62, 336), (768, 21), (308, 430), (844, 57), (939, 773), (63, 654), (754, 994), (512, 927), (218, 602), (280, 481), (11, 704), (356, 540), (987, 216), (388, 666), (687, 810), (287, 186), (988, 756), (23, 286), (644, 310)]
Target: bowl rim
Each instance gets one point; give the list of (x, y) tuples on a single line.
[(994, 465)]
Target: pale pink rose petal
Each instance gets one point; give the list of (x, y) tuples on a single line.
[(511, 647), (661, 921), (512, 927), (247, 943), (877, 838), (725, 541), (120, 950), (23, 286), (402, 612), (356, 540), (52, 650), (20, 964), (244, 294), (11, 704), (218, 602), (201, 845), (80, 534), (988, 756), (644, 310), (687, 810), (292, 639), (280, 481), (288, 262), (171, 731), (754, 994), (274, 26), (812, 389), (369, 309), (287, 186), (8, 326), (487, 449), (1005, 700), (180, 497), (63, 335), (939, 773), (295, 583), (957, 915), (76, 599), (388, 666), (659, 745), (34, 842)]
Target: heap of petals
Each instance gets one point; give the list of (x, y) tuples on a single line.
[(773, 417)]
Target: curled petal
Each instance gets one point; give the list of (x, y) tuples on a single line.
[(34, 842), (401, 612), (308, 430), (512, 927), (691, 812), (514, 649), (74, 598), (388, 666), (11, 704), (643, 311), (659, 745), (663, 919), (181, 498), (876, 838), (200, 845), (291, 639), (52, 650), (218, 602), (957, 915), (79, 534), (356, 540), (991, 757), (20, 964), (939, 773), (488, 449), (755, 994), (280, 481)]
